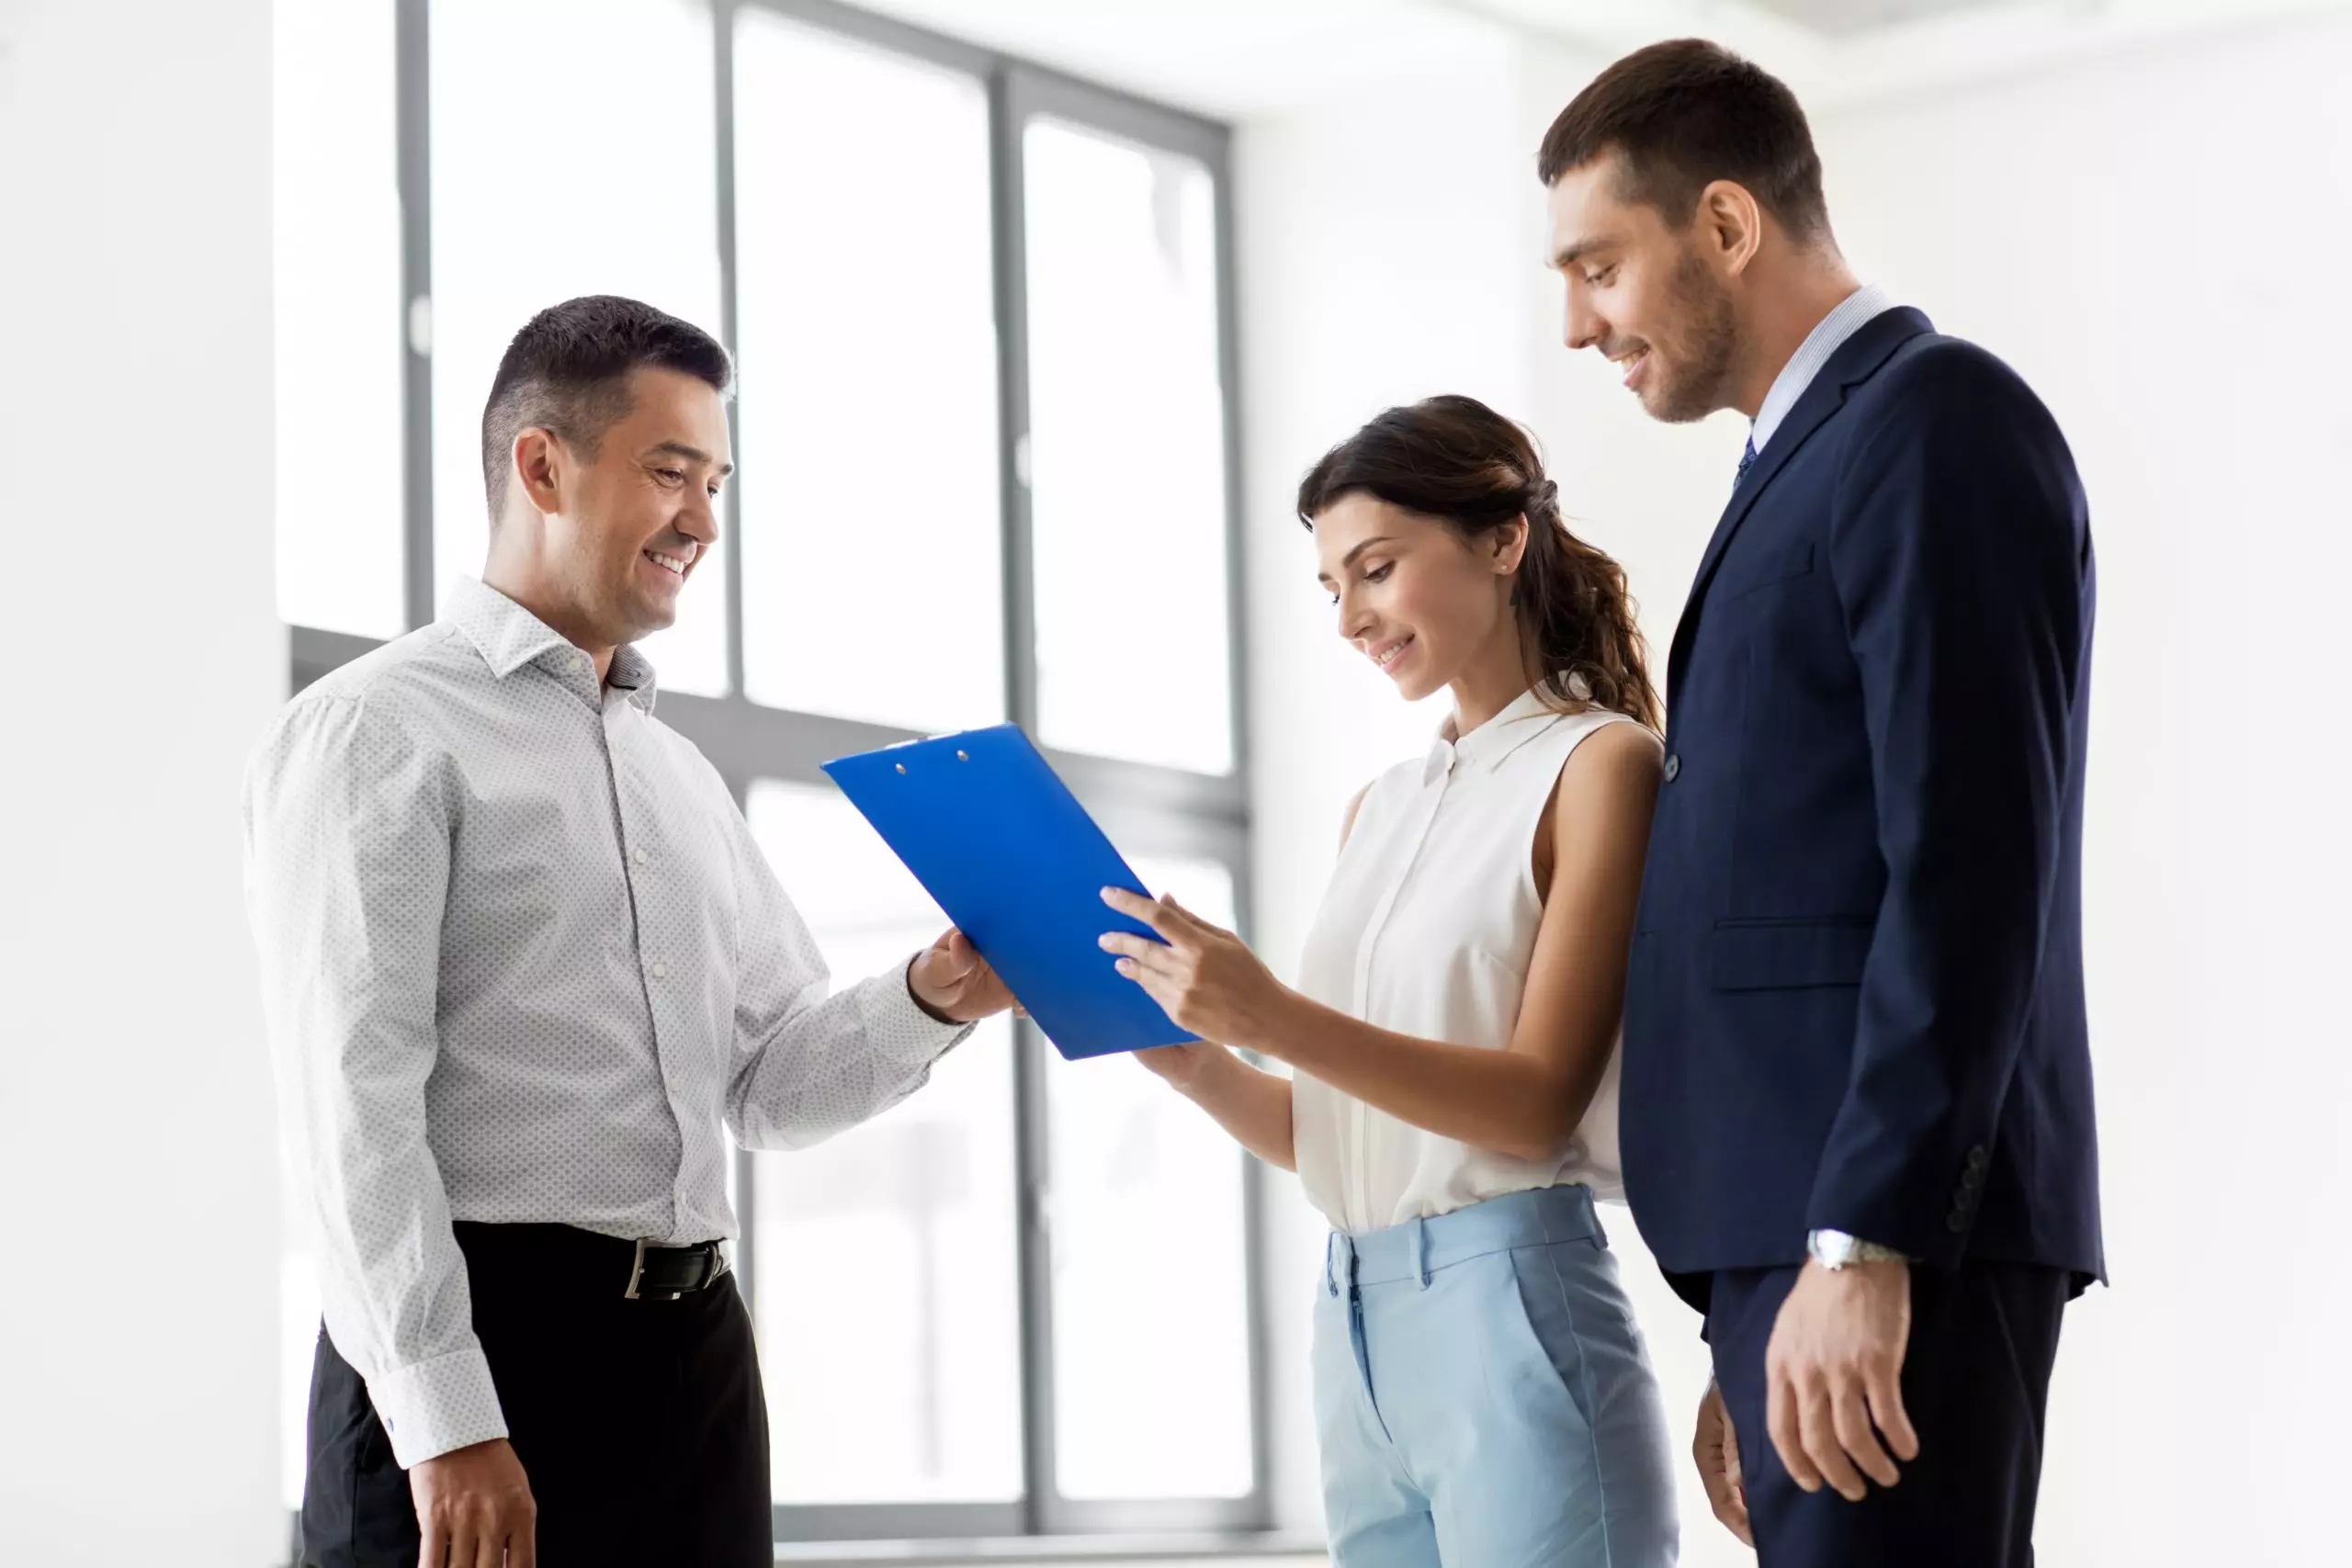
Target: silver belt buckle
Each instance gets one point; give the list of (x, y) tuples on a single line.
[(636, 1271)]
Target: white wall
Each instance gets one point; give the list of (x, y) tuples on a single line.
[(138, 1373), (2157, 241)]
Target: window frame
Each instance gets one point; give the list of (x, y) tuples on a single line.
[(1150, 809)]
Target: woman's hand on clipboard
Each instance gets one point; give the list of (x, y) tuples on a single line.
[(953, 983), (1203, 977)]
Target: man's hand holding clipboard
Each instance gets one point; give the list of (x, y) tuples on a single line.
[(953, 983)]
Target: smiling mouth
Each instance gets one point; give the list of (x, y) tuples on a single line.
[(674, 565), (1387, 654), (1632, 364)]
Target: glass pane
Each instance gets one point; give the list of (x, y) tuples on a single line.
[(872, 564), (596, 174), (336, 254), (888, 1290), (1127, 447), (1146, 1187)]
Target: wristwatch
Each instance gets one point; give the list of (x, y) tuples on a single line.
[(1833, 1250)]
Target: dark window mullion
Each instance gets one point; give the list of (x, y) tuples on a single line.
[(1256, 1176), (1032, 1144), (722, 37), (413, 93)]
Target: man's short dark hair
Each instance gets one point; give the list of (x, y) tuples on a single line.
[(568, 371), (1683, 114)]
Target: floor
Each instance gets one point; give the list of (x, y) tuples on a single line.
[(1012, 1554), (1294, 1560)]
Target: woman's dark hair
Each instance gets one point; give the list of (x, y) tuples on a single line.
[(1457, 461), (568, 371)]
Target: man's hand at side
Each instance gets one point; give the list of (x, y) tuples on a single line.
[(1832, 1375), (474, 1508)]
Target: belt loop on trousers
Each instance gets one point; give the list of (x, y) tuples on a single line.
[(1422, 1250)]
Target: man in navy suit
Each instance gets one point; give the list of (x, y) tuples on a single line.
[(1857, 1096)]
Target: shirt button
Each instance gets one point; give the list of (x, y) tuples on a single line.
[(641, 857), (1673, 767), (661, 970)]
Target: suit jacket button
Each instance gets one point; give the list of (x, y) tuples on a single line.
[(1673, 767), (1971, 1178), (1977, 1159), (1958, 1223)]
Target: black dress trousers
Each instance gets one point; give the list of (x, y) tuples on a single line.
[(641, 1424)]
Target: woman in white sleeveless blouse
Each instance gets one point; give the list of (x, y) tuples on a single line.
[(1482, 1396)]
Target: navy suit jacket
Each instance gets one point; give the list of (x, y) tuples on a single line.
[(1856, 997)]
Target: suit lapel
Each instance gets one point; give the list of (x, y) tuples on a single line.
[(1856, 361)]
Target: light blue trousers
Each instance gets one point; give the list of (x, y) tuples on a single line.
[(1483, 1397)]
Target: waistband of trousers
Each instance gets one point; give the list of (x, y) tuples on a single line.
[(555, 1252), (1419, 1247)]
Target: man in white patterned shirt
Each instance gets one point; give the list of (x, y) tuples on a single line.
[(524, 971)]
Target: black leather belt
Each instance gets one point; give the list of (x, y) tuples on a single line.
[(567, 1258), (665, 1273)]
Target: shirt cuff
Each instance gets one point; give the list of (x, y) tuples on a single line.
[(930, 1037), (437, 1407)]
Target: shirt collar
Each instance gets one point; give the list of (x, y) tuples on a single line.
[(509, 636), (632, 672), (1851, 314), (1487, 745)]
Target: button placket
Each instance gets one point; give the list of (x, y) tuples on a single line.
[(1433, 797), (657, 921)]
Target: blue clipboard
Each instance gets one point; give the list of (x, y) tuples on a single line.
[(994, 835)]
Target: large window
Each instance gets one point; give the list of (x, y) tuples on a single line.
[(981, 318)]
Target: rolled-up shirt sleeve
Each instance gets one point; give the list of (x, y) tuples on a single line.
[(348, 823), (811, 1062)]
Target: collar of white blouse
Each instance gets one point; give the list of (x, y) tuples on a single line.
[(1486, 746)]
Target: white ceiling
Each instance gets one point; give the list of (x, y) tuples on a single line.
[(1845, 19), (1233, 59), (1833, 52), (1225, 58)]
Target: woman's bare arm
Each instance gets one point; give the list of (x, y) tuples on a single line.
[(1528, 1099)]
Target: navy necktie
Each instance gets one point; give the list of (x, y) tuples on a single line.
[(1747, 456)]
